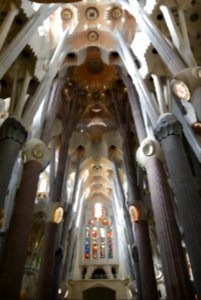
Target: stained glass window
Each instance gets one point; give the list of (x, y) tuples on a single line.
[(98, 234)]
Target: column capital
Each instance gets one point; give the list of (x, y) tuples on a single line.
[(14, 130), (167, 125), (148, 148), (36, 150)]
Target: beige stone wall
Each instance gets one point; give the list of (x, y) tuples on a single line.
[(77, 287)]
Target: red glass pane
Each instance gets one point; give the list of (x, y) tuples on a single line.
[(94, 232), (109, 233), (105, 222)]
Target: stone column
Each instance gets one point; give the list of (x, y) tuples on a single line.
[(188, 201), (7, 23), (133, 99), (11, 52), (173, 259), (45, 85), (167, 52), (22, 96), (12, 137), (36, 157), (179, 34), (135, 198), (51, 228), (138, 214), (69, 212), (49, 254)]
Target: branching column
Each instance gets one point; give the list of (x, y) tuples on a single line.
[(10, 53), (169, 132), (167, 52), (12, 137), (144, 242), (69, 119), (172, 255), (7, 22), (36, 157)]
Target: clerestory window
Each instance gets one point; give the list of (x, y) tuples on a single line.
[(98, 235)]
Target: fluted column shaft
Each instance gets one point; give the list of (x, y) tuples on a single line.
[(148, 281), (15, 250), (172, 255), (169, 132), (12, 137)]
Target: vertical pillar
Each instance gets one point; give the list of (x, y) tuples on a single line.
[(139, 228), (51, 228), (12, 137), (169, 132), (69, 213), (172, 254), (69, 119), (22, 96), (130, 233), (138, 217), (36, 157), (7, 22)]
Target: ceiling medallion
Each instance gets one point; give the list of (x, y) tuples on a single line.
[(116, 12), (66, 14), (93, 36), (181, 90), (92, 13)]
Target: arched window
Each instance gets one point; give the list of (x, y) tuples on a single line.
[(98, 234)]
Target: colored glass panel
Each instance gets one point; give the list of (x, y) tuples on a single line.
[(110, 250), (109, 232), (87, 232), (94, 232), (102, 251), (105, 222), (87, 250), (94, 250)]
